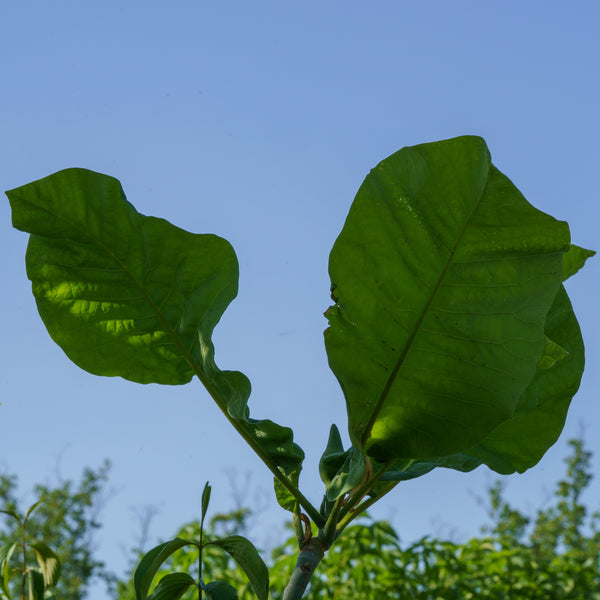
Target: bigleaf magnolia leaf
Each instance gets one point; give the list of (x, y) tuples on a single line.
[(442, 278), (135, 296)]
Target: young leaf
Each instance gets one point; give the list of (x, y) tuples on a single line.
[(48, 562), (340, 470), (574, 259), (442, 276), (12, 514), (205, 499), (133, 296), (151, 563), (31, 509), (172, 587), (247, 557)]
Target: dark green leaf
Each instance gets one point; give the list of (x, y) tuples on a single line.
[(333, 456), (247, 557), (172, 587), (341, 470), (151, 563), (128, 295), (205, 499), (48, 562), (35, 585), (220, 590), (442, 276), (284, 498)]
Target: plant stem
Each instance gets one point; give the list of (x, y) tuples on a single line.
[(24, 548), (356, 511), (310, 556), (311, 511)]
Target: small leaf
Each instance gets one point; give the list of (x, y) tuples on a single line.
[(49, 563), (151, 563), (32, 508), (220, 590), (205, 499), (551, 353), (574, 259), (340, 470), (172, 587), (12, 514), (332, 457), (247, 557)]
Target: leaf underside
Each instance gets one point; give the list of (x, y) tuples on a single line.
[(129, 295), (442, 278)]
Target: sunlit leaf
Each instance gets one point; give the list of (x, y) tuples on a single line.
[(442, 278), (48, 562), (133, 296)]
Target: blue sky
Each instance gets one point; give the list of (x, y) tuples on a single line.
[(258, 121)]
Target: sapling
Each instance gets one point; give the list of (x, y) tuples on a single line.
[(450, 333)]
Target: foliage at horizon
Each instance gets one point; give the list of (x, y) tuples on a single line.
[(66, 520)]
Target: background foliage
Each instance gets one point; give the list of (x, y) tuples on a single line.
[(554, 552), (67, 520)]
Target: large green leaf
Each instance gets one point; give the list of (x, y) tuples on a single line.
[(442, 278), (134, 296)]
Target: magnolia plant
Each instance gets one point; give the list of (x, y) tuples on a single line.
[(450, 332)]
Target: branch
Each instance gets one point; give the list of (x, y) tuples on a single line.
[(310, 556)]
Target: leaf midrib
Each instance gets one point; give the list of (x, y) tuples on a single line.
[(391, 379)]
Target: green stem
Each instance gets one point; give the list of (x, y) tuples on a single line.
[(311, 511), (24, 571), (310, 556), (363, 490), (355, 512), (314, 514)]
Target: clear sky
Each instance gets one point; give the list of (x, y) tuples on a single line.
[(258, 121)]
